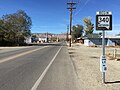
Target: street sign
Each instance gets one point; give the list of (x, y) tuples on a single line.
[(103, 65), (103, 20)]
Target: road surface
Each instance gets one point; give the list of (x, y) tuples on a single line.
[(43, 67)]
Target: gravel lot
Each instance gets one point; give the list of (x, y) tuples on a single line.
[(87, 65)]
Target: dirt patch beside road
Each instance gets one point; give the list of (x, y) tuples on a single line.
[(87, 65)]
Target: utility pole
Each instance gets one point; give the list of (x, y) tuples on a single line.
[(67, 33), (70, 7), (47, 36)]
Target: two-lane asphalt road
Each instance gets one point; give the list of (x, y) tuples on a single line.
[(46, 67)]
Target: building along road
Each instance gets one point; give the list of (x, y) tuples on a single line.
[(43, 67)]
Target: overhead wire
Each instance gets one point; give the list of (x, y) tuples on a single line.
[(80, 3), (82, 6)]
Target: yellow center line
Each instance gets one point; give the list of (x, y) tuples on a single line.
[(21, 54)]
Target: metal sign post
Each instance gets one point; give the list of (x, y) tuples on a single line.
[(104, 68), (103, 22)]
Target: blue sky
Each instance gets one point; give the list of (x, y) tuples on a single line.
[(53, 17)]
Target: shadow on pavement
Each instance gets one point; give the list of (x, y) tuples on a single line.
[(48, 44), (112, 82)]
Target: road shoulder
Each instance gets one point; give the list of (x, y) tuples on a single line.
[(61, 75)]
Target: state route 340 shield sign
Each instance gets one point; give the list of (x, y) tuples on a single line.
[(103, 20)]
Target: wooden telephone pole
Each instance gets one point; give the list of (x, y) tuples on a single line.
[(67, 33), (70, 7)]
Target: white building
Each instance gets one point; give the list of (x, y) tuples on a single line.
[(42, 39), (88, 42), (28, 40)]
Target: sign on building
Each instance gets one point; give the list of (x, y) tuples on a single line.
[(103, 20)]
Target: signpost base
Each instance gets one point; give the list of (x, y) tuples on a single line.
[(103, 77)]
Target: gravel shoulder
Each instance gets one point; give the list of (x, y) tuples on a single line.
[(86, 61)]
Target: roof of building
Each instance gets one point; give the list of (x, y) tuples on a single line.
[(94, 35)]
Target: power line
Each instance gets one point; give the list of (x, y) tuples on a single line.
[(82, 6)]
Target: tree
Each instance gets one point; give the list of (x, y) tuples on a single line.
[(1, 30), (16, 26), (88, 25), (24, 22), (77, 31)]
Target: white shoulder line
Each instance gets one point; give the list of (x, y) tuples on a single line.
[(44, 72)]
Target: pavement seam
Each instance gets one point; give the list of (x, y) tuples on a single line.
[(21, 54), (75, 71)]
